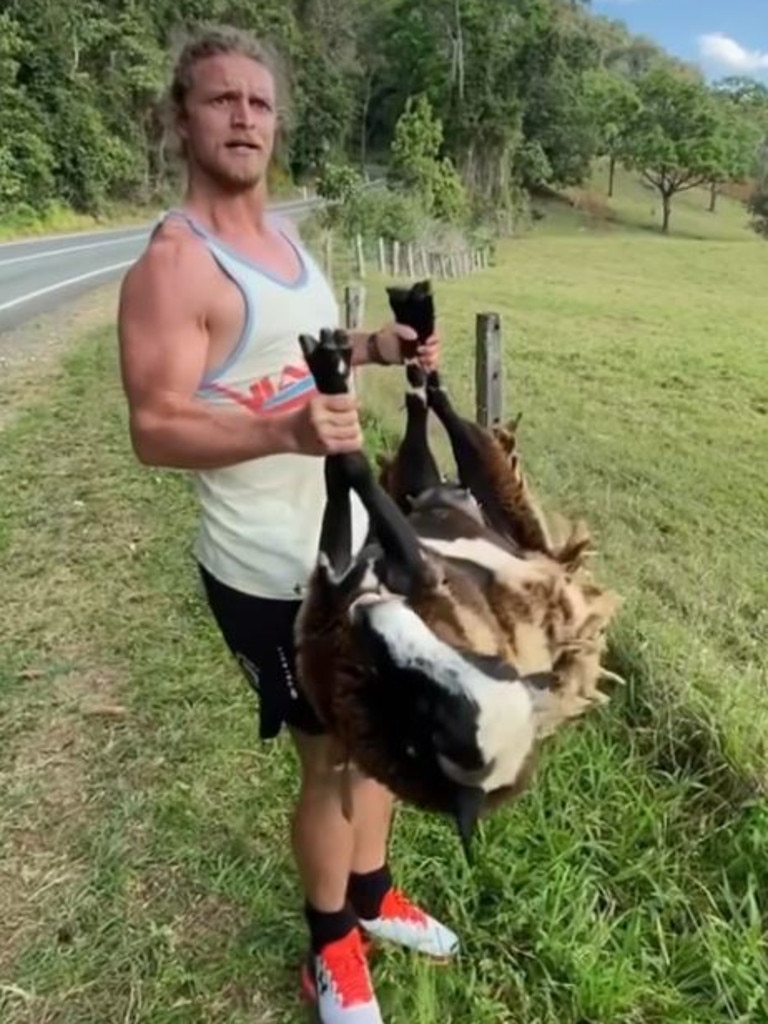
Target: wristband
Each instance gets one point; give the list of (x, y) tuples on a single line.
[(373, 352)]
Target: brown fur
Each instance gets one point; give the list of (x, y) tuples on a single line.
[(564, 612), (545, 624), (548, 615)]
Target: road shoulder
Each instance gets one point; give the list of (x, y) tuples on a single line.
[(30, 353)]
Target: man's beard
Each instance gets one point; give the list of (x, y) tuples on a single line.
[(230, 179)]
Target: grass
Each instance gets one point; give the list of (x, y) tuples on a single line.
[(60, 218), (144, 855)]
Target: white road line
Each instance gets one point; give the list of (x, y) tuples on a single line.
[(63, 236), (69, 248), (63, 284)]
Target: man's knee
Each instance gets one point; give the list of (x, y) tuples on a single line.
[(324, 766), (321, 758)]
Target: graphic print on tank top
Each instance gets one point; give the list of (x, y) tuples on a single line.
[(261, 374), (280, 392)]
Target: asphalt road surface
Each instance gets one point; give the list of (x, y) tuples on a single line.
[(38, 274)]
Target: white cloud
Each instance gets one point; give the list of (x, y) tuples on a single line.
[(728, 54)]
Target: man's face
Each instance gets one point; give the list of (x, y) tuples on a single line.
[(230, 120)]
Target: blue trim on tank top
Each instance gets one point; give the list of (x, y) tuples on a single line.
[(214, 243), (240, 257), (250, 317)]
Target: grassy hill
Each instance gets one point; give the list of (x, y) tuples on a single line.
[(145, 853), (636, 207)]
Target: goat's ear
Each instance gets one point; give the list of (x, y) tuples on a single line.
[(469, 803)]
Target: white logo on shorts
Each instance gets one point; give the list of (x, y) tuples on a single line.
[(250, 670)]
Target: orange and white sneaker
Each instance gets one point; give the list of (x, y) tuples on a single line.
[(338, 981), (402, 922)]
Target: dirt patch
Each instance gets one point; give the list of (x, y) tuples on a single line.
[(594, 205), (29, 353)]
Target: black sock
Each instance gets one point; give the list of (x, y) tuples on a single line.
[(365, 892), (325, 927)]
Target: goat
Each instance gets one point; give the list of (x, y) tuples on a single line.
[(456, 638)]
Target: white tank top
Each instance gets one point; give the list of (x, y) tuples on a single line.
[(260, 520)]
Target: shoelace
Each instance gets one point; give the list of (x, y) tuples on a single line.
[(347, 966)]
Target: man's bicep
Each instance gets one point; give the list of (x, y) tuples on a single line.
[(162, 337)]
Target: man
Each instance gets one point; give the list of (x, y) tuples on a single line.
[(209, 319)]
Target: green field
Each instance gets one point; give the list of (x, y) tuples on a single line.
[(143, 827)]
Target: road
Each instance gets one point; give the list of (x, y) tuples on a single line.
[(36, 275)]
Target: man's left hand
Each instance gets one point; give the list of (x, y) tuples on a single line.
[(396, 342)]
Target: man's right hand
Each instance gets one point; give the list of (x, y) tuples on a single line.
[(328, 425)]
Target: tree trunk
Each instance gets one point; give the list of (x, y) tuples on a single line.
[(364, 123), (611, 174), (667, 208), (459, 50), (712, 196)]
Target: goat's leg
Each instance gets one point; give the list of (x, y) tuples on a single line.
[(404, 567), (336, 529), (472, 451), (413, 469), (482, 464), (495, 480)]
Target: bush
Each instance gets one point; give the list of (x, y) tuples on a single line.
[(758, 209)]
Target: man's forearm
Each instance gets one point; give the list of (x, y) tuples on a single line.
[(188, 434), (365, 349)]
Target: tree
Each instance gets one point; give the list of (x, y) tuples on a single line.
[(614, 103), (738, 140), (674, 139), (417, 165), (757, 204)]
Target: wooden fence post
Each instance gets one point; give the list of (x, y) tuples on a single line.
[(354, 315), (489, 370), (328, 255), (360, 254), (409, 259)]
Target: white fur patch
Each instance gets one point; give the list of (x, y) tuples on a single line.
[(506, 726), (505, 566)]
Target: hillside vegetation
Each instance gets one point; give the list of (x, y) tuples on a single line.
[(468, 107), (145, 872)]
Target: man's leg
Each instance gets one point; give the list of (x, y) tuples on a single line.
[(343, 865), (323, 842), (326, 846)]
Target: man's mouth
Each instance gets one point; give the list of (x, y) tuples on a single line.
[(243, 145)]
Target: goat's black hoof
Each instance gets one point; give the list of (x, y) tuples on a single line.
[(329, 360), (414, 307)]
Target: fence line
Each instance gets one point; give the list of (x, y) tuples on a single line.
[(419, 260), (400, 259)]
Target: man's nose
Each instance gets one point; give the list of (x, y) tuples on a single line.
[(242, 114)]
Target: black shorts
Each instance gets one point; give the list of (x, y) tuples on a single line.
[(259, 633)]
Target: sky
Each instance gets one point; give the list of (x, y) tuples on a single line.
[(723, 37)]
